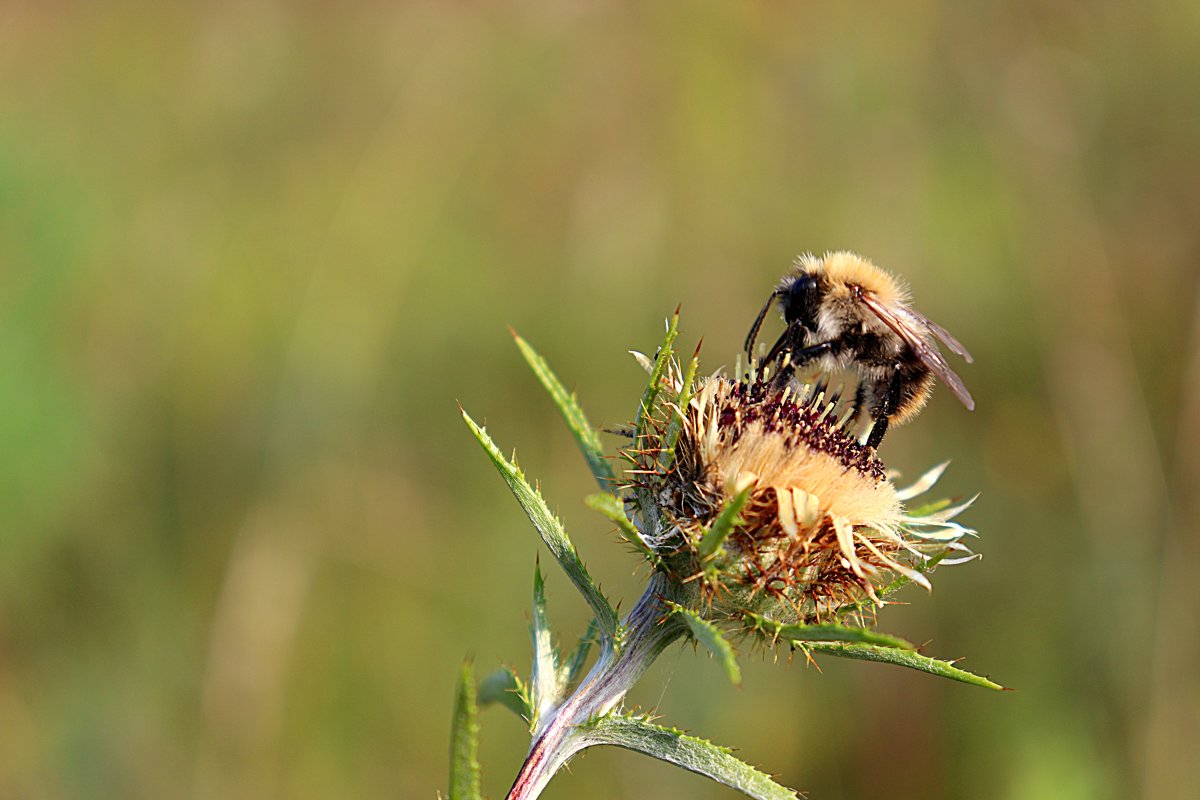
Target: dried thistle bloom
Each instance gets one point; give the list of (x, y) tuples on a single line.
[(758, 510), (819, 527)]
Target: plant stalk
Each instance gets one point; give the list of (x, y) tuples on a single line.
[(646, 632)]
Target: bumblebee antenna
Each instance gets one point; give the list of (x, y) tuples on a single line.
[(758, 321)]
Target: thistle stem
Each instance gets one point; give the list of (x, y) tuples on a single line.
[(646, 632)]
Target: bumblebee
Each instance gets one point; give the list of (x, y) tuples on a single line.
[(842, 311)]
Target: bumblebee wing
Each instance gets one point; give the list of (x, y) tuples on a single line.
[(911, 327), (943, 334)]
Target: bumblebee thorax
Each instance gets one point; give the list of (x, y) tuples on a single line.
[(848, 273)]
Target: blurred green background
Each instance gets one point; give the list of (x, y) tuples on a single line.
[(252, 253)]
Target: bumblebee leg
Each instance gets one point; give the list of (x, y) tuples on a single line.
[(795, 356), (860, 398), (780, 345), (784, 344), (877, 431), (804, 355), (891, 401)]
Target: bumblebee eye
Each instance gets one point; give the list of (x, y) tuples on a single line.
[(803, 286)]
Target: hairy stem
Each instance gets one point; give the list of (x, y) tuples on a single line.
[(648, 630)]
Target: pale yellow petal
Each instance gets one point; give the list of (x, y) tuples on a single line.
[(807, 506), (787, 514)]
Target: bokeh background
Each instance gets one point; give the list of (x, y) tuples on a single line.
[(252, 253)]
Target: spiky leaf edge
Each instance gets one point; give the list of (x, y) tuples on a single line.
[(551, 531), (710, 636), (722, 526), (654, 385), (902, 658), (504, 688), (544, 685), (611, 507), (585, 435), (464, 739), (691, 753), (827, 632)]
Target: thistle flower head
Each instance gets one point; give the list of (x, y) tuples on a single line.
[(821, 528)]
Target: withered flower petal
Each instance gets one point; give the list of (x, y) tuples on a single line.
[(824, 526)]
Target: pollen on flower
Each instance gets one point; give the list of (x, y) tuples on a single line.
[(822, 526), (788, 441)]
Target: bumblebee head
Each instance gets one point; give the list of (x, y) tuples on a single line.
[(800, 296)]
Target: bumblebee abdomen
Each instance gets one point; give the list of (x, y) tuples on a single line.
[(916, 386)]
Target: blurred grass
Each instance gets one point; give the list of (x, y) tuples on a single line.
[(252, 253)]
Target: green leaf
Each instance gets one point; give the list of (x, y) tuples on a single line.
[(710, 636), (722, 526), (681, 404), (903, 658), (504, 688), (464, 739), (585, 435), (654, 386), (543, 682), (821, 633), (551, 531), (693, 754), (611, 507)]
